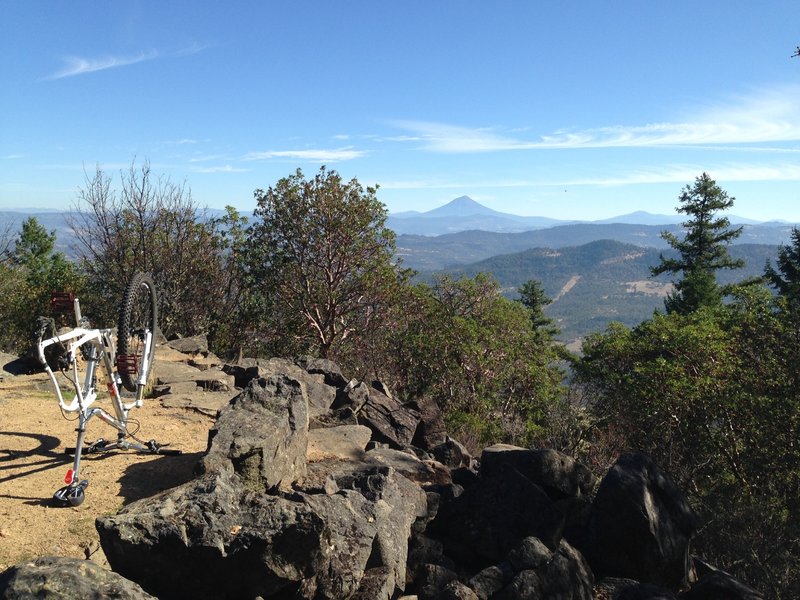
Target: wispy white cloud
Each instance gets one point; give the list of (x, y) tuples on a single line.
[(763, 117), (318, 155), (77, 65), (683, 174), (206, 158), (679, 174), (448, 185), (220, 169), (13, 156)]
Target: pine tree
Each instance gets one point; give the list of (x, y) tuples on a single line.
[(786, 280), (703, 250)]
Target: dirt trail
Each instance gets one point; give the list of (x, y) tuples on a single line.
[(33, 463)]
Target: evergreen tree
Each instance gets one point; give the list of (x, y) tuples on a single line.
[(34, 253), (533, 297), (703, 250), (33, 271), (786, 280)]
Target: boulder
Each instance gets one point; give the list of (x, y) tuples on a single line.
[(452, 453), (423, 472), (344, 442), (455, 590), (320, 394), (391, 421), (334, 418), (719, 585), (214, 538), (556, 473), (58, 578), (640, 525), (262, 434), (491, 580), (332, 374), (376, 584), (197, 344), (567, 482), (207, 403), (243, 370), (562, 574), (490, 518), (431, 430), (353, 396), (205, 361), (214, 380), (433, 578)]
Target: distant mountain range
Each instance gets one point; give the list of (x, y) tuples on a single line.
[(464, 214), (446, 252)]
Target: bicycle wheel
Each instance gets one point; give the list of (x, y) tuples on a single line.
[(138, 316)]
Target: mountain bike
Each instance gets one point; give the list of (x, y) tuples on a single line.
[(82, 355)]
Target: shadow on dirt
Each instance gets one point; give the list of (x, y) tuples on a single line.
[(20, 459), (145, 479), (23, 463)]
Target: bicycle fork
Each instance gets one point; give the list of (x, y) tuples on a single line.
[(73, 492)]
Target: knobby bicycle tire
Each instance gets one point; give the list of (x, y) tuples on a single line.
[(138, 314)]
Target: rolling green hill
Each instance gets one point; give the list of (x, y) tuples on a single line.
[(599, 282), (425, 253)]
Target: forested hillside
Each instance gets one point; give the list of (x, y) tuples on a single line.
[(445, 252), (596, 283)]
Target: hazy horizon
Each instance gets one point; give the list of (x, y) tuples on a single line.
[(672, 215)]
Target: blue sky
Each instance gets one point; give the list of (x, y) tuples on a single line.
[(574, 110)]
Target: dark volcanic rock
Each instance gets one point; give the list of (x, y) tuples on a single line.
[(212, 538), (58, 578), (558, 474), (197, 344), (391, 421), (452, 453), (559, 575), (330, 371), (640, 525), (431, 428), (482, 525), (718, 585), (262, 435)]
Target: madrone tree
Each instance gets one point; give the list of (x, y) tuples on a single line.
[(321, 259), (483, 358), (703, 250)]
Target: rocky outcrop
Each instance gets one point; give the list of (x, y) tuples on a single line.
[(262, 520), (317, 486)]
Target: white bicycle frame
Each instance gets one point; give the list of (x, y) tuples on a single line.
[(99, 347)]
